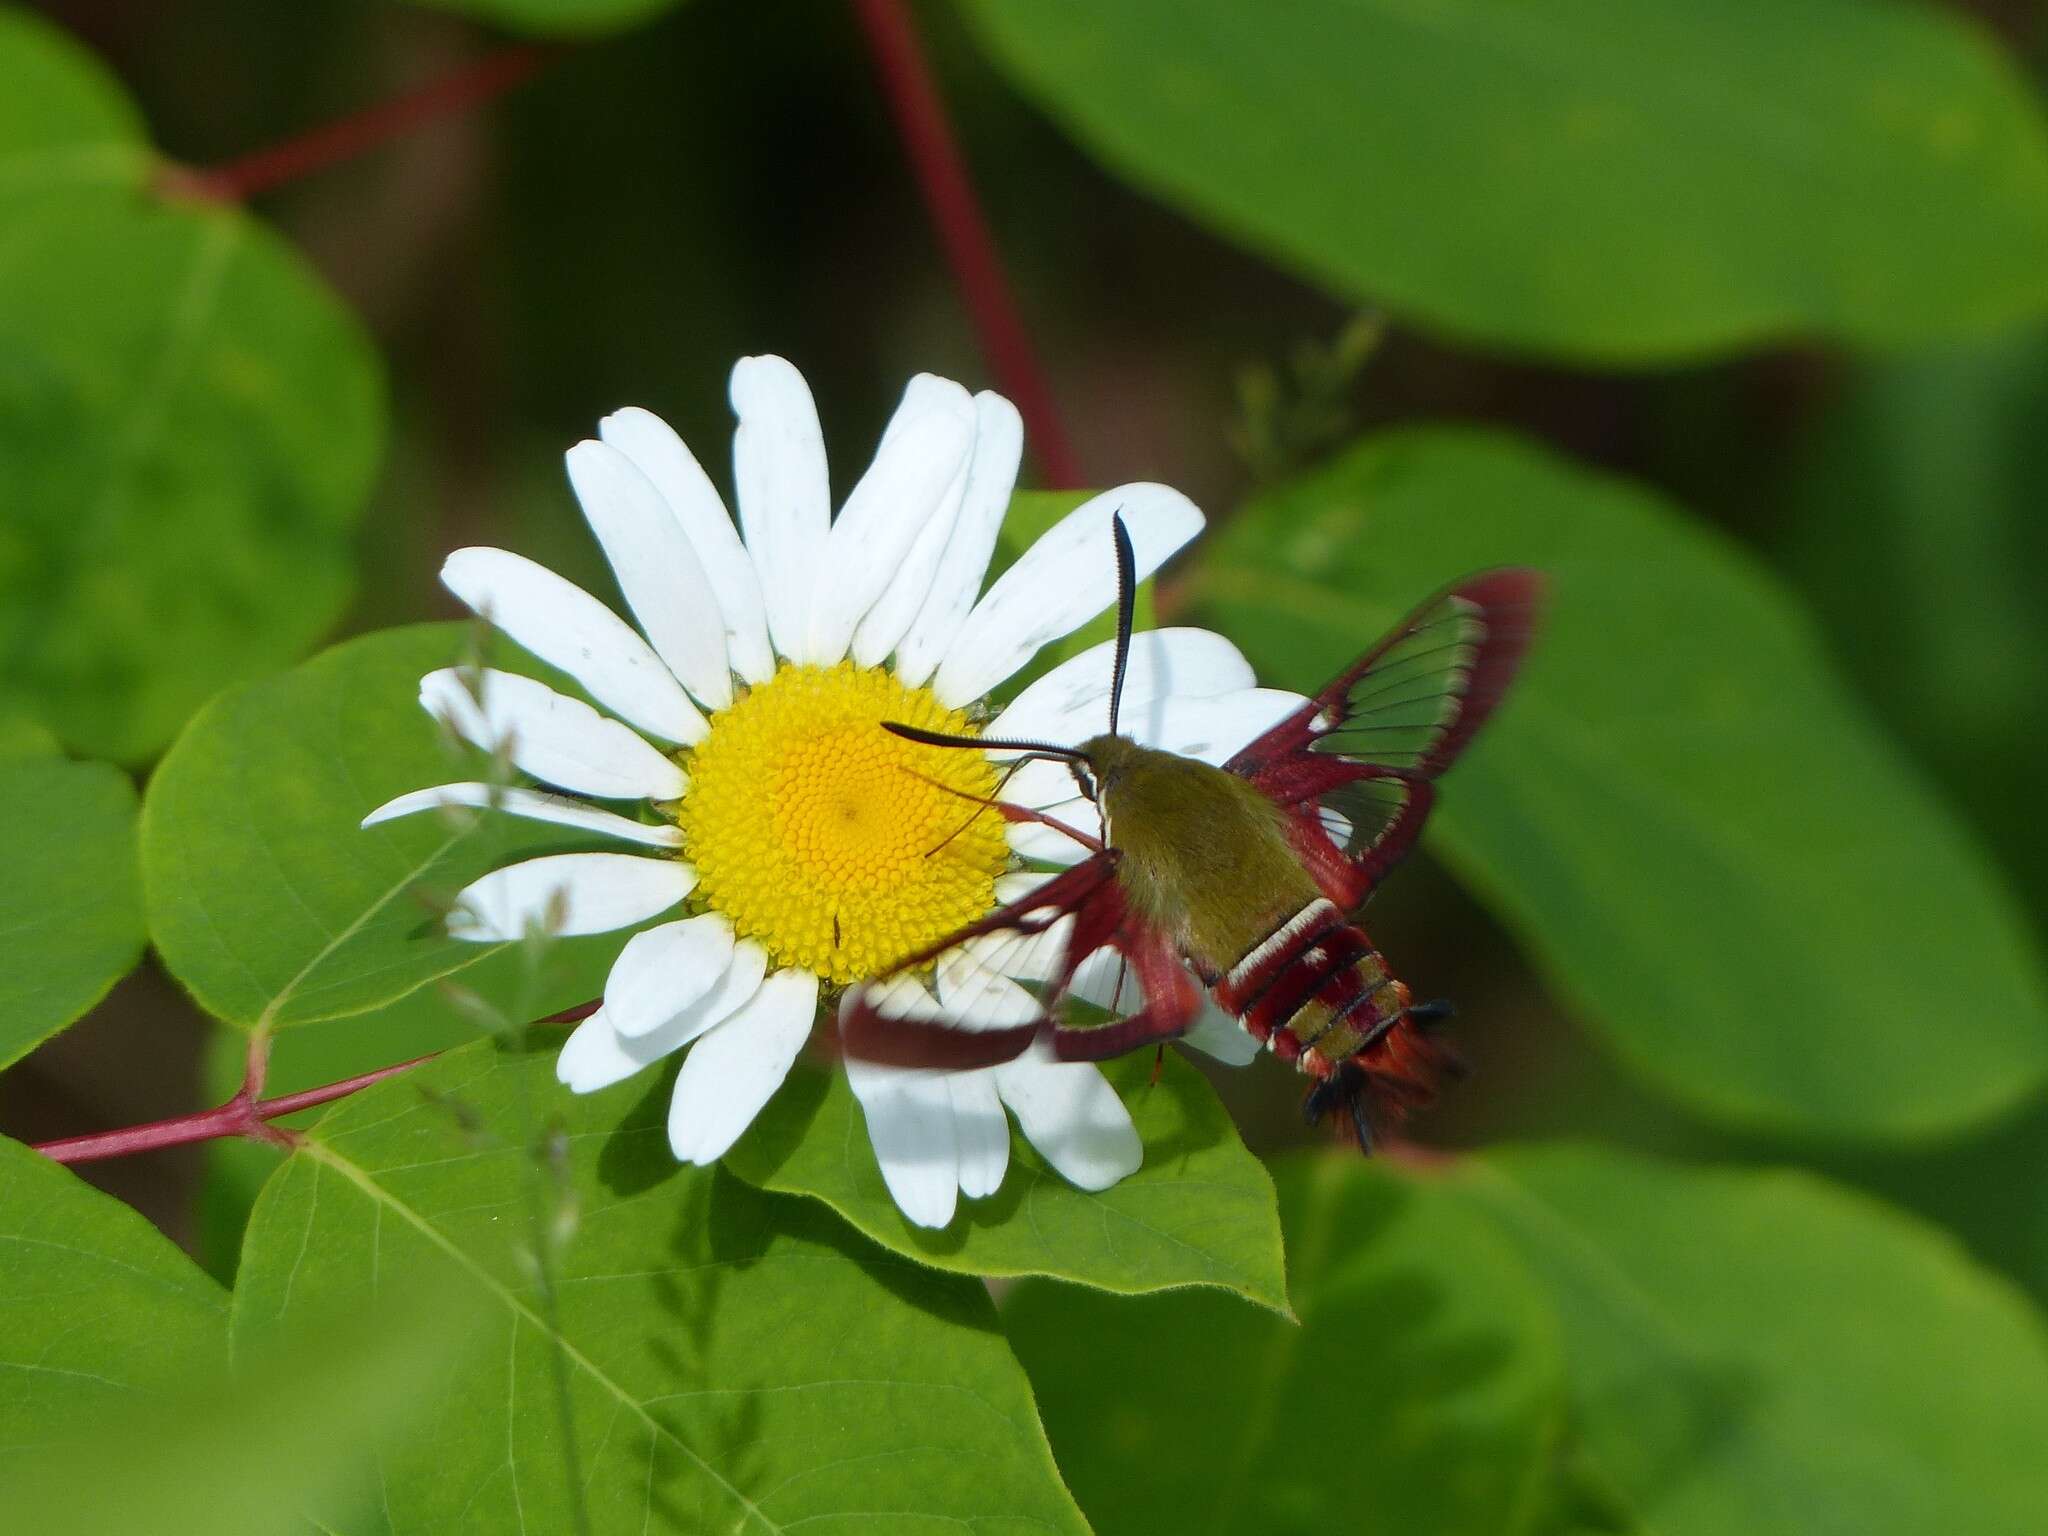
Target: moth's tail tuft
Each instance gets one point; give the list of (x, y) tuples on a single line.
[(1372, 1093)]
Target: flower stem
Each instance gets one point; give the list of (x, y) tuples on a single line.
[(244, 1114), (963, 231), (359, 132)]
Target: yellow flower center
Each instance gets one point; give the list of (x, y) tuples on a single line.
[(828, 839)]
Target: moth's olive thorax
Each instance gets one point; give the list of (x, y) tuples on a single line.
[(1202, 851)]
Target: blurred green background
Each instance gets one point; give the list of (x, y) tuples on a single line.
[(1256, 247)]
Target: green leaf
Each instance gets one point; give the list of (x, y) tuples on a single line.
[(64, 122), (189, 422), (1986, 1191), (239, 1455), (71, 903), (1199, 1212), (1422, 1393), (308, 1056), (552, 17), (97, 1310), (1680, 812), (22, 737), (1616, 184), (1765, 1353), (266, 897), (731, 1360), (1915, 526)]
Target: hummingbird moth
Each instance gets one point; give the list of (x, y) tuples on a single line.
[(1245, 879)]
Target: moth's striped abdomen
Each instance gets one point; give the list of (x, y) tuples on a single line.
[(1316, 993)]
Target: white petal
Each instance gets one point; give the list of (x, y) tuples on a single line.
[(1035, 958), (785, 497), (1041, 785), (1072, 1116), (1214, 730), (1071, 702), (1049, 845), (1060, 583), (567, 894), (991, 477), (530, 803), (1107, 980), (976, 995), (981, 1131), (896, 997), (596, 1055), (1050, 787), (738, 1065), (550, 735), (1103, 977), (664, 970), (886, 623), (920, 458), (1218, 1034), (568, 628), (664, 458), (910, 1122), (1045, 786), (657, 568), (1018, 884)]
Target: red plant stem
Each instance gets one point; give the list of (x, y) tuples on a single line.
[(941, 172), (346, 137), (242, 1115)]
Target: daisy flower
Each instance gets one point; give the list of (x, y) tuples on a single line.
[(800, 847)]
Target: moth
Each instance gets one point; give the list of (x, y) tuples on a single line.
[(1245, 879)]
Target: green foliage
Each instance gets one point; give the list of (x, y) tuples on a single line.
[(266, 897), (729, 1359), (65, 124), (556, 17), (1618, 184), (1422, 1393), (1560, 1341), (189, 421), (240, 1454), (71, 903), (306, 1056), (1985, 1190), (1762, 1352), (1199, 1212), (1915, 525), (97, 1310), (23, 737), (1680, 812)]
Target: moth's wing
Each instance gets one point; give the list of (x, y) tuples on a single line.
[(1001, 982), (980, 1015), (1354, 766), (1103, 958), (1170, 998)]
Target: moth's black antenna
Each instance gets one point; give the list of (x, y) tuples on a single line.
[(1126, 607), (923, 737)]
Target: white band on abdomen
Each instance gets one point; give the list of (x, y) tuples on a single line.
[(1317, 911)]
